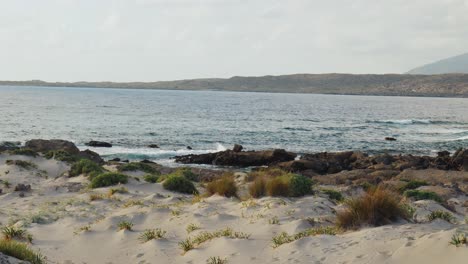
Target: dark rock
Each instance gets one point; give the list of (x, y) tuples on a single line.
[(125, 161), (91, 155), (22, 187), (317, 166), (148, 161), (41, 145), (460, 159), (115, 159), (189, 147), (237, 148), (99, 144), (8, 145), (21, 194), (443, 154), (240, 159), (153, 146), (390, 139)]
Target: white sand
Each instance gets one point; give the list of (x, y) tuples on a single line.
[(61, 211)]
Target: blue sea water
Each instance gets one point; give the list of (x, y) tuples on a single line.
[(209, 121)]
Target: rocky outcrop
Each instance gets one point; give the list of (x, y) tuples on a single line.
[(8, 145), (91, 155), (99, 144), (4, 259), (239, 159), (42, 145)]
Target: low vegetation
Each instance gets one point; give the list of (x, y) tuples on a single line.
[(121, 190), (86, 167), (62, 156), (412, 184), (441, 215), (191, 227), (459, 239), (216, 260), (284, 237), (376, 207), (333, 195), (27, 165), (108, 179), (151, 178), (138, 166), (11, 232), (125, 225), (225, 186), (423, 195), (275, 182), (24, 152), (21, 251), (179, 183), (191, 243), (151, 234), (182, 172)]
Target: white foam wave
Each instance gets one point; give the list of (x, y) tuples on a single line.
[(406, 121)]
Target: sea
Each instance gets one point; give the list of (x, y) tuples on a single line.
[(208, 121)]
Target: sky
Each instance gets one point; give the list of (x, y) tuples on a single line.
[(154, 40)]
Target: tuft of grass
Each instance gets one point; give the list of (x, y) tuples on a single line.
[(62, 156), (21, 251), (151, 234), (413, 184), (87, 167), (284, 237), (441, 215), (278, 186), (334, 195), (96, 196), (108, 179), (274, 221), (216, 260), (27, 165), (191, 227), (7, 184), (138, 166), (180, 184), (11, 232), (376, 207), (125, 225), (202, 237), (151, 178), (186, 245), (24, 152), (459, 239), (225, 186), (423, 195), (121, 190), (257, 188), (131, 203)]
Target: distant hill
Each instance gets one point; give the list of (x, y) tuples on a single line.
[(457, 64), (446, 85)]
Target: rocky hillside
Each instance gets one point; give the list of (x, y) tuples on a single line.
[(448, 85), (457, 64)]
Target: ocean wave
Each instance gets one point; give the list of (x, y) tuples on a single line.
[(296, 129), (412, 121)]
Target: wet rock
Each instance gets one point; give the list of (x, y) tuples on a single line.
[(41, 145), (153, 146), (390, 139), (99, 144), (91, 155), (4, 259), (22, 187), (115, 159), (9, 145), (189, 147), (460, 159), (237, 148)]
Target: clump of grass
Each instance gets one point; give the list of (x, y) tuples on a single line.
[(191, 227), (225, 186), (441, 215), (96, 196), (125, 225), (61, 156), (87, 167), (276, 182), (27, 165), (151, 234), (21, 251), (284, 237), (86, 228), (257, 188), (278, 186), (182, 172), (7, 184), (216, 260), (299, 185), (138, 166), (186, 245), (423, 195), (151, 178), (376, 207), (412, 184), (24, 152), (121, 190), (274, 221), (131, 203), (334, 195), (180, 184), (459, 239), (11, 232), (197, 198), (108, 179)]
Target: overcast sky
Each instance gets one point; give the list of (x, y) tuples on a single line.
[(151, 40)]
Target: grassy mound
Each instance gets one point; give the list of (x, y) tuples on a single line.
[(108, 179), (86, 167), (179, 183), (275, 182)]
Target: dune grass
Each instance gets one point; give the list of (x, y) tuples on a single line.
[(334, 195), (423, 195), (24, 152), (108, 179), (276, 182), (86, 167), (376, 207), (27, 165), (191, 243), (151, 234), (21, 251), (284, 237), (441, 215), (225, 186), (179, 183)]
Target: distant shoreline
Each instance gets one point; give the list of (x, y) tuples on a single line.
[(446, 85)]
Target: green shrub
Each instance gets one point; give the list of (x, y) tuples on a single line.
[(62, 156), (376, 207), (225, 186), (24, 152), (299, 185), (138, 166), (423, 195), (334, 195), (413, 184), (180, 184), (188, 174), (86, 167), (151, 178), (108, 179), (21, 251), (22, 164)]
